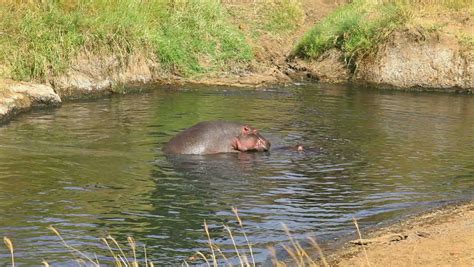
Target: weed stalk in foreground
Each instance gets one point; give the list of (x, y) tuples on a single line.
[(9, 245), (299, 255), (360, 238), (214, 260), (120, 260)]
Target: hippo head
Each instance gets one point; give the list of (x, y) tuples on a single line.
[(250, 139), (299, 147)]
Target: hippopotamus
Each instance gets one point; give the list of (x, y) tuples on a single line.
[(300, 148), (212, 137)]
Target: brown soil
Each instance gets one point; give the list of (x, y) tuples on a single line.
[(444, 237), (406, 59), (272, 50)]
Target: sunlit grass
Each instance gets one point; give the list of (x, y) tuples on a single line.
[(217, 257), (299, 255), (39, 39), (358, 28), (9, 245), (466, 40), (280, 16), (451, 4), (121, 259)]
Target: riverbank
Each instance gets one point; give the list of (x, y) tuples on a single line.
[(444, 237), (97, 51)]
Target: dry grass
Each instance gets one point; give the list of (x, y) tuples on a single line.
[(120, 256), (9, 245), (217, 257), (305, 256), (299, 255), (360, 238)]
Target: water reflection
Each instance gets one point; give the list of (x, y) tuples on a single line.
[(96, 168)]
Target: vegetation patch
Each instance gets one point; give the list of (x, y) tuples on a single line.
[(40, 38), (280, 16), (466, 40), (358, 28)]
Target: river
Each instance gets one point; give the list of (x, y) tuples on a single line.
[(94, 168)]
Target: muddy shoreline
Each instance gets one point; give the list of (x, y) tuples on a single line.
[(95, 77), (382, 241), (19, 97), (440, 236)]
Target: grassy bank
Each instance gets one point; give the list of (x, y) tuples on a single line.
[(40, 38), (358, 28)]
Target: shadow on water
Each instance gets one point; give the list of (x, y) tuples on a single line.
[(96, 168)]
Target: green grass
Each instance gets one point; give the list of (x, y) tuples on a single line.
[(356, 28), (193, 28), (39, 39), (280, 16), (466, 40)]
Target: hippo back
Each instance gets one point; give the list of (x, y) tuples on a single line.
[(207, 137)]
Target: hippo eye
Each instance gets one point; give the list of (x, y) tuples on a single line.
[(246, 129)]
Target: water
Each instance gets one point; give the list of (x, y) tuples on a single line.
[(96, 168)]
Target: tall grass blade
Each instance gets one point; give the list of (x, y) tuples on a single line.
[(70, 247), (320, 251), (117, 260), (360, 238), (296, 246), (213, 254), (123, 257), (146, 256), (133, 245), (9, 245), (204, 258), (245, 235), (235, 245)]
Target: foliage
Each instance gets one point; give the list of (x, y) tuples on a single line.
[(40, 38), (356, 28), (359, 27)]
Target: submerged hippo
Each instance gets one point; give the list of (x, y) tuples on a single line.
[(300, 148), (211, 137)]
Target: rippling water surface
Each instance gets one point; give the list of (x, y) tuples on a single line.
[(96, 168)]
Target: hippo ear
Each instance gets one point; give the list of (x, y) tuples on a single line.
[(246, 130)]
